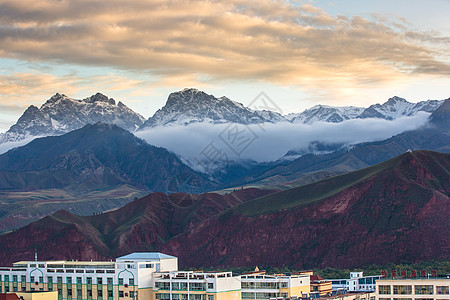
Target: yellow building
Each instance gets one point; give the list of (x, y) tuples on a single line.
[(258, 285), (410, 289), (38, 295), (189, 285)]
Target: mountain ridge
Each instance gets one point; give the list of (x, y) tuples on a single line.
[(356, 219), (95, 159), (61, 114)]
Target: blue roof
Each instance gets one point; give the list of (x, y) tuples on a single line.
[(145, 256)]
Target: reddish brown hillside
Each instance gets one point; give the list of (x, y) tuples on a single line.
[(144, 224), (396, 211), (393, 212)]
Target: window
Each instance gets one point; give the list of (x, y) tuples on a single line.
[(41, 279), (197, 286), (69, 280), (121, 294), (402, 289), (50, 280), (89, 280), (14, 278), (79, 294), (284, 285), (79, 281), (109, 280), (31, 278), (69, 292), (131, 294), (100, 293), (59, 280), (131, 281), (442, 290), (210, 297), (423, 289), (120, 281), (384, 289), (210, 286), (99, 281), (110, 293)]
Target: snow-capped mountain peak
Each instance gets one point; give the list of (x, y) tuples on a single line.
[(61, 114), (325, 113), (396, 107), (193, 106)]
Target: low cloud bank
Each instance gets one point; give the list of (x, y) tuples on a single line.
[(5, 147), (269, 142)]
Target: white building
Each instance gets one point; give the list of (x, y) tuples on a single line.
[(196, 285), (356, 283), (262, 286), (127, 277)]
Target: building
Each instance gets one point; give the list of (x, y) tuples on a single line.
[(320, 287), (413, 288), (184, 285), (356, 283), (258, 285), (146, 276), (129, 277), (30, 296), (351, 296)]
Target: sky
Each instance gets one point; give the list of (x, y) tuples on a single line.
[(299, 53)]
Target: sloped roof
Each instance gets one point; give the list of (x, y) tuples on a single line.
[(145, 256)]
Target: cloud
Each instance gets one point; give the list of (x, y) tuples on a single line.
[(270, 142), (272, 41), (4, 147)]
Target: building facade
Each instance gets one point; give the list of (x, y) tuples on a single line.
[(356, 283), (126, 278), (262, 286), (413, 289), (189, 285)]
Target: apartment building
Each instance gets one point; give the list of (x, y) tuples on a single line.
[(189, 285), (129, 277), (413, 289), (258, 285), (356, 283)]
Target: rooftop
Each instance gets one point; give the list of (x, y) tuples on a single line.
[(149, 256)]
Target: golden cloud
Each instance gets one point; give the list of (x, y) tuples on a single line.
[(238, 40)]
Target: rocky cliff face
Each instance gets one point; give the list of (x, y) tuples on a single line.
[(61, 114)]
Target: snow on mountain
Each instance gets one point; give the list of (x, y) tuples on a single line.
[(392, 109), (397, 107), (325, 113), (192, 106), (61, 114)]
